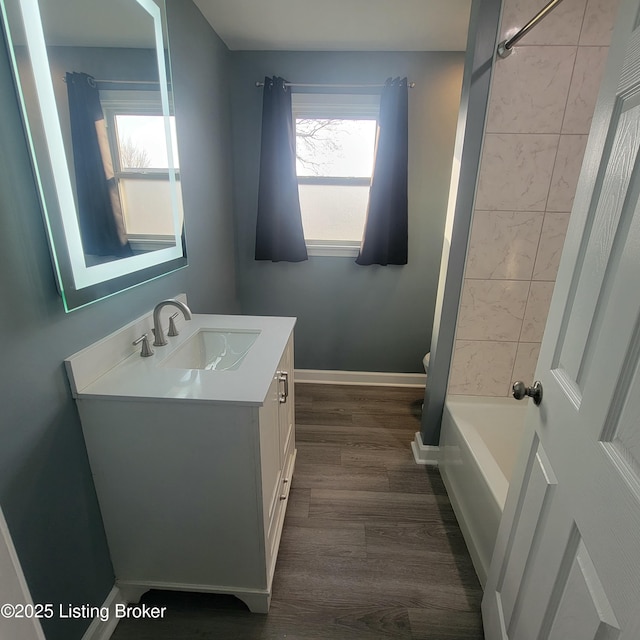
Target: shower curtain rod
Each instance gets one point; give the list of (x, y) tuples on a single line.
[(504, 48), (411, 85)]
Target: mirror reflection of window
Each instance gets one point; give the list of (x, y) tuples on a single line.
[(142, 165), (142, 142)]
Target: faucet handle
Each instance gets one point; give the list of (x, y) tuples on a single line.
[(173, 331), (146, 349)]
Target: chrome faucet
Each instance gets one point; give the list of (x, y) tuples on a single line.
[(160, 339)]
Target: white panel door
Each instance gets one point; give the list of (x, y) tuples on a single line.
[(14, 591), (566, 565)]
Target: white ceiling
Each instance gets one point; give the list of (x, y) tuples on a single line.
[(339, 25)]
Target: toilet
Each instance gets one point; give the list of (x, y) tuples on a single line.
[(425, 362)]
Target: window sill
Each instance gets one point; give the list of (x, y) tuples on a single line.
[(333, 250)]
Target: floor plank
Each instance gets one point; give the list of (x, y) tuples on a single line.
[(370, 547), (408, 539), (427, 624), (330, 476), (313, 536), (386, 459), (318, 453), (354, 436), (372, 506), (411, 480)]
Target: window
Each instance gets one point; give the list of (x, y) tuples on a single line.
[(141, 165), (335, 145)]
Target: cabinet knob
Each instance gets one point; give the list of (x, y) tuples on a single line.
[(283, 497)]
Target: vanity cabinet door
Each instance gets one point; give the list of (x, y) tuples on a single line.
[(270, 454), (285, 433), (286, 408)]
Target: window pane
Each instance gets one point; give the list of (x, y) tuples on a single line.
[(331, 147), (147, 207), (333, 212), (142, 142)]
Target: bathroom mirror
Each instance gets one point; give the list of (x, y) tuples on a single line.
[(94, 82)]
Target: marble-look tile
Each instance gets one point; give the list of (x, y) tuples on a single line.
[(526, 360), (535, 317), (503, 245), (482, 368), (492, 309), (599, 19), (529, 90), (552, 238), (566, 172), (515, 171), (585, 84), (561, 26)]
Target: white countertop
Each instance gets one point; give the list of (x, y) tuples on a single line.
[(136, 378)]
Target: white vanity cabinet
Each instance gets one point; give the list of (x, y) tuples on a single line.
[(193, 492)]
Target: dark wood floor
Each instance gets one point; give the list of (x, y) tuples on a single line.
[(370, 547)]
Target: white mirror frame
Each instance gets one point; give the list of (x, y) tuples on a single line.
[(78, 283)]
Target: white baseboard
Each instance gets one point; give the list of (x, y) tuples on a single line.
[(368, 378), (423, 453), (100, 629)]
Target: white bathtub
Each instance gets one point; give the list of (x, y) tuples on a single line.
[(479, 443)]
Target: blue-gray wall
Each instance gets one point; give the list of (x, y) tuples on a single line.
[(46, 490), (352, 317)]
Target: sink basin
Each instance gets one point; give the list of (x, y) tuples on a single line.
[(213, 349)]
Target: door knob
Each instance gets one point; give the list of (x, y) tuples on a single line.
[(520, 390)]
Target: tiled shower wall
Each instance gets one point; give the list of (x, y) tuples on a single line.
[(542, 101)]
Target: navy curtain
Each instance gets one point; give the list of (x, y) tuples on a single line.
[(385, 237), (99, 208), (279, 233)]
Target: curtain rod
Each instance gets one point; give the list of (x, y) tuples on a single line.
[(411, 85), (121, 81), (504, 48), (129, 82)]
